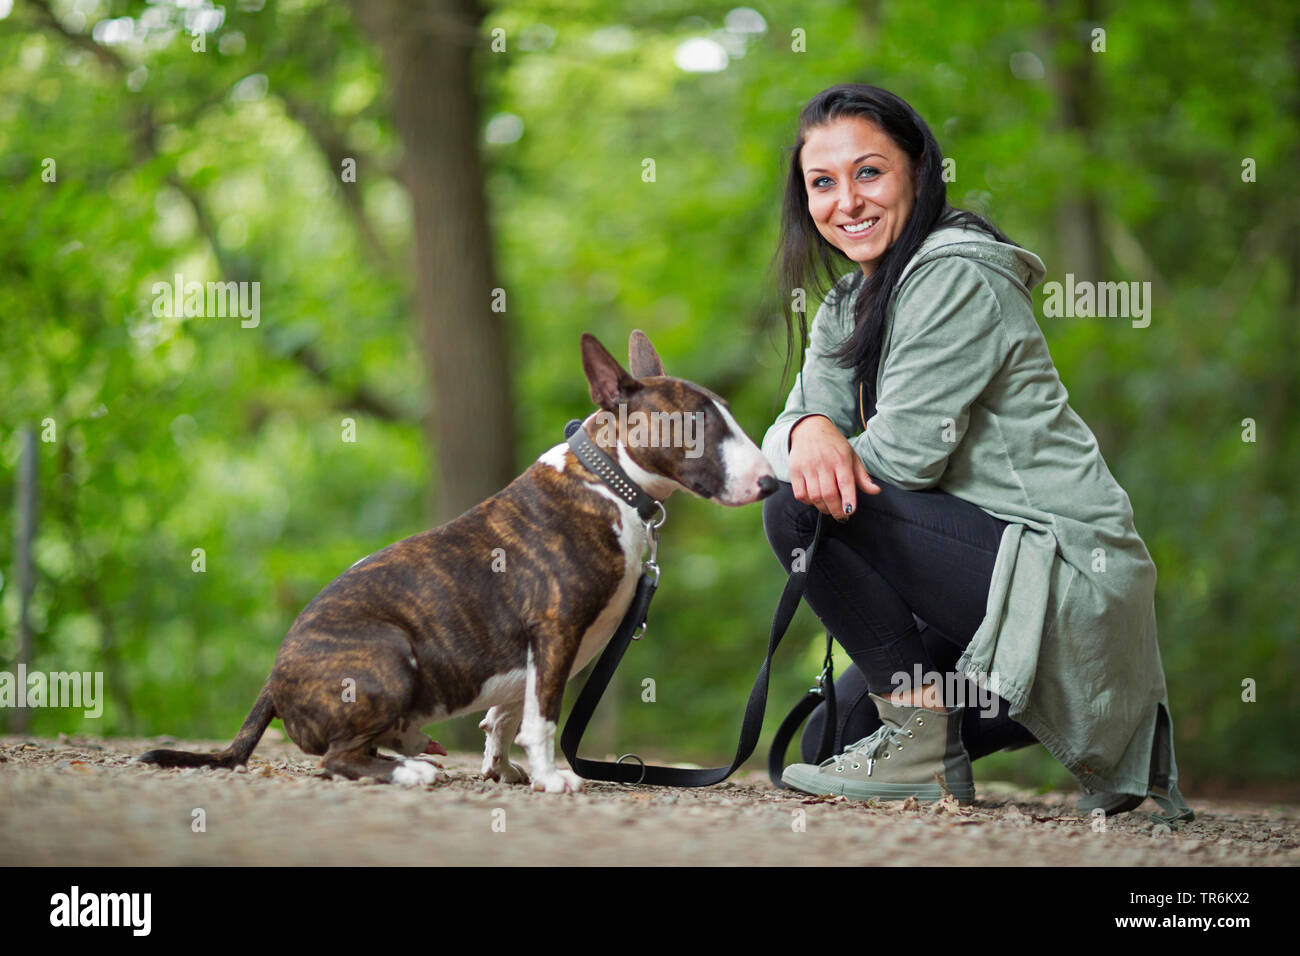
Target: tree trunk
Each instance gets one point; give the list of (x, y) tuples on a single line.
[(25, 512), (428, 48), (1078, 217)]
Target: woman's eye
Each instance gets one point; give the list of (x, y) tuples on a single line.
[(871, 171)]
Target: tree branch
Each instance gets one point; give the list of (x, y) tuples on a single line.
[(360, 397), (335, 148)]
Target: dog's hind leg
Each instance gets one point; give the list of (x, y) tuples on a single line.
[(348, 692), (356, 760), (501, 724)]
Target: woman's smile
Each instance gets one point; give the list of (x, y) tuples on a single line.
[(860, 227)]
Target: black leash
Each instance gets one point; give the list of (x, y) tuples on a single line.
[(822, 690), (640, 772)]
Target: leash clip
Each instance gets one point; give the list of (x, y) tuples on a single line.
[(820, 686), (652, 526), (651, 564)]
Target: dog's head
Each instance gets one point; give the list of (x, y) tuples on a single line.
[(675, 433)]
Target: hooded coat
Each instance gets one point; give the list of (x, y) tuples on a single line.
[(968, 401)]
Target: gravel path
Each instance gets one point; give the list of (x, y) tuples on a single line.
[(84, 801)]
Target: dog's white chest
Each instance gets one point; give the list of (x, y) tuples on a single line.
[(632, 538)]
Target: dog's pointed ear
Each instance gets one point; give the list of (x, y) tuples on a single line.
[(642, 357), (610, 383)]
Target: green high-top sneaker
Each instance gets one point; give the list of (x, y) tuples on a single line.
[(899, 760)]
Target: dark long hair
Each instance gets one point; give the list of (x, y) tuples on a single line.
[(807, 261)]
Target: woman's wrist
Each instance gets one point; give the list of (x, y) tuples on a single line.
[(795, 427)]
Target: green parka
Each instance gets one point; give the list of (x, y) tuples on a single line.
[(970, 402)]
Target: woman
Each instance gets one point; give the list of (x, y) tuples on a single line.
[(976, 528)]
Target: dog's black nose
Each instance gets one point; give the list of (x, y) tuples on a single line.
[(767, 485)]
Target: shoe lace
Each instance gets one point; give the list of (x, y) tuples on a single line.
[(869, 748)]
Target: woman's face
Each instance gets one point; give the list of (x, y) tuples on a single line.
[(854, 174)]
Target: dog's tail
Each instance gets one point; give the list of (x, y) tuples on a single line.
[(259, 718)]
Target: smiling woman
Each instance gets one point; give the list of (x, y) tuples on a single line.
[(993, 541)]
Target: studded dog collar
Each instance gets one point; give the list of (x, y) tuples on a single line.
[(608, 470)]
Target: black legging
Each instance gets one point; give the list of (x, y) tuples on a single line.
[(904, 581)]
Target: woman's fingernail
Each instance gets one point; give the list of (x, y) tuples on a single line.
[(848, 509)]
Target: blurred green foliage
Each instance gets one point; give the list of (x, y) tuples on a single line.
[(176, 434)]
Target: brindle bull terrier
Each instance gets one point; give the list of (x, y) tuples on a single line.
[(498, 608)]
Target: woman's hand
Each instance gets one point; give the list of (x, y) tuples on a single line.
[(825, 471)]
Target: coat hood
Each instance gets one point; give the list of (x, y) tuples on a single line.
[(1020, 264)]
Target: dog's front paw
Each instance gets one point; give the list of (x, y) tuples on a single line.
[(416, 773), (506, 772), (558, 781)]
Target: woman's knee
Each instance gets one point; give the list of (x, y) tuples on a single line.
[(788, 522)]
